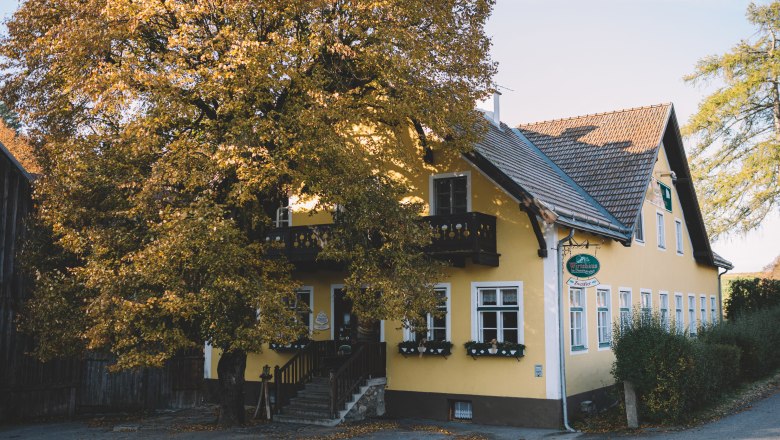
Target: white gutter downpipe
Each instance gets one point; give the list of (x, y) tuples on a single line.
[(720, 295), (496, 109), (561, 341)]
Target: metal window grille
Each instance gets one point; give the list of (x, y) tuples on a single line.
[(461, 410)]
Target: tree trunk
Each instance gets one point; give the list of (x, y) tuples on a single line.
[(230, 372)]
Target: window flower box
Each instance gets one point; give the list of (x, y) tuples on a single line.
[(428, 348), (293, 346), (494, 349)]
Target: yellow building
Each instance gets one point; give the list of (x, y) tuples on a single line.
[(524, 220)]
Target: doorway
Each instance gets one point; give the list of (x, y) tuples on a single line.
[(346, 325)]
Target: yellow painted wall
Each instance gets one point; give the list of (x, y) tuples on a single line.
[(458, 373), (641, 266)]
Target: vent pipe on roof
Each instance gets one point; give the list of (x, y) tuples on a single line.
[(496, 109)]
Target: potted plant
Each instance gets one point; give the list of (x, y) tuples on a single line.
[(494, 348), (299, 344), (408, 347), (425, 347)]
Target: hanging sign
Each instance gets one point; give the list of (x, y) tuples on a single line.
[(574, 282), (666, 195), (583, 265)]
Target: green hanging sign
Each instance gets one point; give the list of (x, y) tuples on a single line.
[(666, 194), (583, 265)]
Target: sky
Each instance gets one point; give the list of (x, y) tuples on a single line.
[(560, 58)]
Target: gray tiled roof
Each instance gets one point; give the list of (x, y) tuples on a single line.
[(517, 158), (610, 155)]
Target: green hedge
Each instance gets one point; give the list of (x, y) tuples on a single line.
[(751, 295), (756, 334), (672, 373)]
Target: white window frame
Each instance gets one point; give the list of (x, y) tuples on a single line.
[(703, 309), (679, 313), (660, 229), (604, 313), (713, 310), (431, 192), (475, 317), (582, 310), (625, 308), (640, 226), (310, 291), (278, 222), (649, 308), (692, 327), (664, 310), (678, 234), (447, 287)]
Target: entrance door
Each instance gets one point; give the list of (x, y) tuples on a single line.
[(346, 328)]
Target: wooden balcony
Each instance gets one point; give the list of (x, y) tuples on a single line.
[(456, 238)]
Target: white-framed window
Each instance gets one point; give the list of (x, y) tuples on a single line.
[(603, 316), (624, 302), (713, 310), (661, 232), (678, 312), (577, 323), (703, 310), (450, 193), (692, 314), (639, 229), (498, 312), (283, 217), (664, 309), (678, 233), (646, 299), (439, 328), (303, 305)]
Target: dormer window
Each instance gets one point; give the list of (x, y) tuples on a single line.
[(450, 194)]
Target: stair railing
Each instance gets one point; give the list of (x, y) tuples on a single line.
[(293, 375), (367, 361)]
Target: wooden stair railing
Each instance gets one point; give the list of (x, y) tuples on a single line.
[(293, 375), (367, 361)]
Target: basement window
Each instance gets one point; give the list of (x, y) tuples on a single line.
[(460, 410)]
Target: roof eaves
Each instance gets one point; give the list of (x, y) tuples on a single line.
[(16, 163)]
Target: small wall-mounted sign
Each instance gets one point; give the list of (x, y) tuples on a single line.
[(666, 195), (573, 282), (537, 370), (321, 321), (583, 265)]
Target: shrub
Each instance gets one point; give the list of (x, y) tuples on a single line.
[(658, 363), (751, 295), (757, 335), (672, 374)]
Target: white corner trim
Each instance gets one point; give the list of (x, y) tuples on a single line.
[(207, 354), (552, 360), (333, 288), (432, 199)]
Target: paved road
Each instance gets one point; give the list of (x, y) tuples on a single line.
[(761, 420), (758, 421)]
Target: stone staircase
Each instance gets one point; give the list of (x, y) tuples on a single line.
[(311, 405)]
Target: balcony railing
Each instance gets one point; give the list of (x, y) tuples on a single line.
[(456, 237)]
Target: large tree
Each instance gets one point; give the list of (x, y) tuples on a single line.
[(737, 128), (169, 131)]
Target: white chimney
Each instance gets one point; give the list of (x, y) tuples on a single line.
[(496, 109)]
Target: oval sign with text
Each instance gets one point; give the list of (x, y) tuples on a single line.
[(583, 265)]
